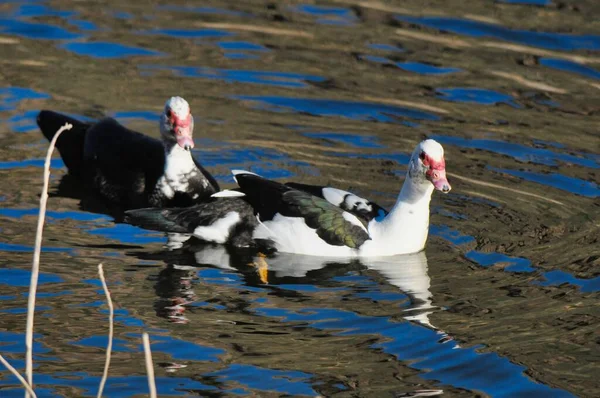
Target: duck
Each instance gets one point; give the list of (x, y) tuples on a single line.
[(297, 219), (129, 169)]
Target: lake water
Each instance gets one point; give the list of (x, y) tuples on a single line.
[(502, 303)]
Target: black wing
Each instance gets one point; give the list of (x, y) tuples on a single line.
[(269, 198), (362, 208), (70, 143), (211, 180), (186, 220), (125, 165)]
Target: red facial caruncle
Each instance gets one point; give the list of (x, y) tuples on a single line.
[(436, 172), (182, 128)]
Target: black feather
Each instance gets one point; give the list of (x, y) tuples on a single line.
[(124, 166), (363, 214), (270, 197), (186, 220), (70, 143)]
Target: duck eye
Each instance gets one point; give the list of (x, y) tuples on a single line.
[(422, 156), (168, 113)]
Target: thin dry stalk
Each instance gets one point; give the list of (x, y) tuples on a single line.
[(16, 373), (35, 267), (111, 312), (149, 366)]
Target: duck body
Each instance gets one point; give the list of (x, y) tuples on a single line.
[(127, 168), (301, 223)]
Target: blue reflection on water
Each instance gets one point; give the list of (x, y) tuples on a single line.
[(282, 381), (328, 15), (558, 277), (35, 30), (241, 46), (14, 247), (119, 345), (386, 47), (367, 111), (11, 96), (419, 346), (181, 349), (50, 214), (570, 66), (17, 164), (240, 55), (126, 233), (355, 140), (515, 264), (149, 116), (21, 278), (519, 152), (14, 343), (191, 33), (82, 24), (476, 95), (398, 157), (416, 67), (116, 386), (121, 14), (267, 162), (24, 122), (555, 180), (281, 79), (107, 50), (467, 27), (425, 69), (38, 10), (204, 10)]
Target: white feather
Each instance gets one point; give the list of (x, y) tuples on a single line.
[(235, 172), (179, 167), (292, 235), (226, 193), (240, 171), (218, 232), (334, 196), (351, 218), (179, 106)]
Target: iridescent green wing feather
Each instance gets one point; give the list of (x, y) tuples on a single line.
[(328, 220)]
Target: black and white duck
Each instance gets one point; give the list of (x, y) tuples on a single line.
[(312, 220), (130, 169)]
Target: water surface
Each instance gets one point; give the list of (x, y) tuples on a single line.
[(503, 301)]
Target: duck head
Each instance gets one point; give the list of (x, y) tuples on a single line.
[(427, 165), (177, 123)]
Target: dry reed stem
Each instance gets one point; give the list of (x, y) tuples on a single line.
[(35, 267), (111, 312), (149, 366), (16, 373)]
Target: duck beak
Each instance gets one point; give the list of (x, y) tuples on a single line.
[(184, 137), (439, 180)]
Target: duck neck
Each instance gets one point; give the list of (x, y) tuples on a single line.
[(407, 224), (173, 150), (415, 192), (179, 163), (412, 205)]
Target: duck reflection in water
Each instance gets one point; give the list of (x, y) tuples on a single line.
[(174, 288), (408, 273)]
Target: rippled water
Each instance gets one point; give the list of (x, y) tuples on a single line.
[(504, 301)]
